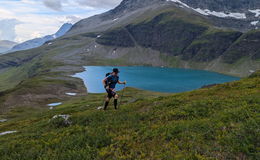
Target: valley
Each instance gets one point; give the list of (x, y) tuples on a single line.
[(46, 113)]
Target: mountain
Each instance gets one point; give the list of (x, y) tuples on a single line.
[(219, 122), (40, 41), (6, 45), (241, 15), (136, 32)]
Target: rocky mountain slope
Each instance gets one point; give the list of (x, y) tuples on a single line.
[(40, 41), (6, 45), (241, 15)]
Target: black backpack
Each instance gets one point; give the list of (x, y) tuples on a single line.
[(108, 74)]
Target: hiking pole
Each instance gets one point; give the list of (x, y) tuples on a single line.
[(121, 96)]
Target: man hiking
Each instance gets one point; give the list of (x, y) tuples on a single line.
[(110, 84)]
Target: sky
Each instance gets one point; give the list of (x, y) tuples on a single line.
[(22, 20)]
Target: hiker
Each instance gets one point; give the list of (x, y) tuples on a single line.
[(110, 84)]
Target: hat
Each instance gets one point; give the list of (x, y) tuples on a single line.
[(116, 70)]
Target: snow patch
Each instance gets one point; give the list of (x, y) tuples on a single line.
[(254, 23), (3, 120), (255, 11), (98, 36), (54, 104), (251, 71), (115, 19), (220, 14), (180, 2), (71, 94), (207, 12), (7, 132), (201, 11)]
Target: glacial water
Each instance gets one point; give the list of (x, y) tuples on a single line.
[(158, 79)]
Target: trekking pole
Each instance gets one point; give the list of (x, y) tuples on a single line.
[(122, 96)]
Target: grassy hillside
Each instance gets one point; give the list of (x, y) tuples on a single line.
[(221, 122)]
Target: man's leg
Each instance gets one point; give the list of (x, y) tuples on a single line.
[(115, 101), (106, 103), (109, 96)]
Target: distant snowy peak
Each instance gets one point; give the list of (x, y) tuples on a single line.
[(37, 42)]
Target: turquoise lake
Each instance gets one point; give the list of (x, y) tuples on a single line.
[(158, 79)]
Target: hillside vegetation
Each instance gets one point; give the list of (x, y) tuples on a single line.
[(221, 122)]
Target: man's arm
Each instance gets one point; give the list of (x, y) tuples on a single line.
[(119, 82), (104, 81)]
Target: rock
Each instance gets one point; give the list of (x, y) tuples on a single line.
[(100, 108), (3, 120), (60, 121), (65, 117)]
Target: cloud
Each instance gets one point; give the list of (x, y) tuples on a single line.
[(99, 3), (72, 19), (58, 5), (7, 29), (28, 19), (53, 4)]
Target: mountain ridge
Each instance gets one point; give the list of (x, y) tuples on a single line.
[(6, 45), (37, 42)]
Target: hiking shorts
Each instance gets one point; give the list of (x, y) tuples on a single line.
[(111, 93)]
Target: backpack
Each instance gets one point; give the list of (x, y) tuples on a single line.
[(108, 74), (107, 82)]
